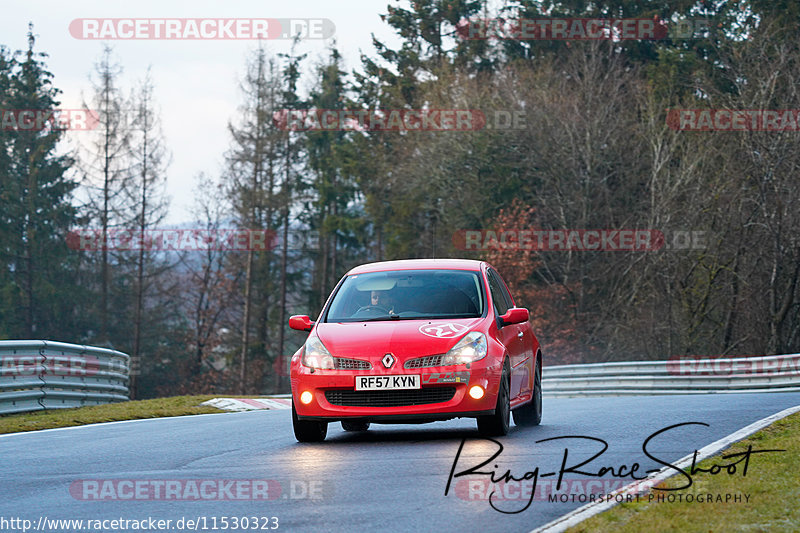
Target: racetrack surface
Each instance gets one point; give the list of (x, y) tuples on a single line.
[(391, 478)]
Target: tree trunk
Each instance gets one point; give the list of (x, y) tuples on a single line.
[(246, 323)]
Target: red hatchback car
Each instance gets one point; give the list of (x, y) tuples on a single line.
[(416, 341)]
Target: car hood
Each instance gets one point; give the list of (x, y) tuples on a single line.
[(403, 338)]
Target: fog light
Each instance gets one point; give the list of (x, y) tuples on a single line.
[(476, 391), (306, 397)]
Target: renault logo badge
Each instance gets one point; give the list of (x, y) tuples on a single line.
[(388, 360)]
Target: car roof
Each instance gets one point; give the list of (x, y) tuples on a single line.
[(418, 264)]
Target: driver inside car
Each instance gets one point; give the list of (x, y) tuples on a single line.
[(383, 300)]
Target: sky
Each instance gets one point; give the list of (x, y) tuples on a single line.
[(196, 81)]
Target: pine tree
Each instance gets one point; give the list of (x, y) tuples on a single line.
[(252, 174), (7, 196), (37, 294), (335, 209)]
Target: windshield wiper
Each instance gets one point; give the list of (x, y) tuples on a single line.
[(390, 314), (383, 318), (394, 316)]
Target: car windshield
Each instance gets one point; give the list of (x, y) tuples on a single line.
[(408, 295)]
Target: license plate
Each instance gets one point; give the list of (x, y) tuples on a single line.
[(388, 382)]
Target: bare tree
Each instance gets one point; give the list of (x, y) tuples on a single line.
[(210, 284), (105, 166), (145, 202)]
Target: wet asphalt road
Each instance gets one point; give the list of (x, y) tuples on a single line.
[(391, 478)]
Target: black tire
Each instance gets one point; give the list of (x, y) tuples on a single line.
[(497, 424), (530, 414), (355, 425), (308, 430)]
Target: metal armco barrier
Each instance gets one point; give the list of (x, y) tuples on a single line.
[(679, 375), (37, 375)]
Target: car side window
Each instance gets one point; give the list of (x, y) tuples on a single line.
[(504, 289), (498, 295)]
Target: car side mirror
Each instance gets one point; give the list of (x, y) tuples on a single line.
[(300, 322), (515, 315)]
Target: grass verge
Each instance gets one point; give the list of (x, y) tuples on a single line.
[(771, 483), (112, 412)]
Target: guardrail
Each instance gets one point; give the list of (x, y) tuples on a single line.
[(680, 375), (37, 375)]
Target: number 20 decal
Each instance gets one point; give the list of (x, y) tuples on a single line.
[(443, 331)]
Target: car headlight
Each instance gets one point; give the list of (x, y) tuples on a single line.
[(472, 347), (316, 355)]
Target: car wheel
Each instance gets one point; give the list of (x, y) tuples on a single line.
[(530, 414), (497, 424), (308, 430), (355, 425)]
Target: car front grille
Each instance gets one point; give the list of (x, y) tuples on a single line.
[(424, 362), (344, 363), (390, 398)]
